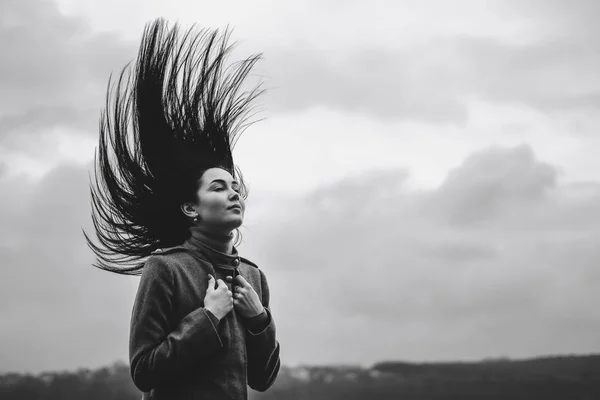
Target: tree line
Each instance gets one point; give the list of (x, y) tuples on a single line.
[(572, 377)]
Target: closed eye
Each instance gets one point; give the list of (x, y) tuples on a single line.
[(219, 185)]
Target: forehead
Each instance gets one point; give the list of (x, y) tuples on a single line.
[(216, 173)]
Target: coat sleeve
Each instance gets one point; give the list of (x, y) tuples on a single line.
[(157, 352), (263, 348)]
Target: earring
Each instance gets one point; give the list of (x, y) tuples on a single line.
[(196, 218)]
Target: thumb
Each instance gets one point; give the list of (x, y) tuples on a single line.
[(211, 283), (221, 283)]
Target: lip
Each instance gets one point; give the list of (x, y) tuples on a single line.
[(235, 206)]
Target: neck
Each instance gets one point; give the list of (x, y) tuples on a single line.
[(220, 242)]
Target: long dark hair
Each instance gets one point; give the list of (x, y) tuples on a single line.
[(175, 114)]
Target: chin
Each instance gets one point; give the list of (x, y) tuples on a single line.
[(234, 223)]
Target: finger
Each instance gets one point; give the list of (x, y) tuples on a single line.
[(211, 282), (243, 282), (229, 293), (220, 283)]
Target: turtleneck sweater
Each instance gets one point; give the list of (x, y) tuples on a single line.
[(221, 244)]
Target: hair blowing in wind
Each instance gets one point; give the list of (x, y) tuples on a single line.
[(175, 113)]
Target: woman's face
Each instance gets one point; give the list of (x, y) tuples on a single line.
[(220, 207)]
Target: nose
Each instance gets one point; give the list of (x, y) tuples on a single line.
[(234, 196)]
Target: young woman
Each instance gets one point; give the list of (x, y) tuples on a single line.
[(167, 202)]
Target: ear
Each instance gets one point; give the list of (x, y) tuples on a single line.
[(189, 210)]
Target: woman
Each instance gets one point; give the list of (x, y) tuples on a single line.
[(167, 202)]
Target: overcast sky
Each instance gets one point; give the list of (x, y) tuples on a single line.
[(425, 184)]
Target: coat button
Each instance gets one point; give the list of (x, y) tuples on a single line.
[(236, 262)]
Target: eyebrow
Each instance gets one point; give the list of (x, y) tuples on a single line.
[(223, 182)]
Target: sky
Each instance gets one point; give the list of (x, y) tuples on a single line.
[(424, 186)]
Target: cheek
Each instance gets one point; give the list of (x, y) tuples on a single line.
[(210, 203)]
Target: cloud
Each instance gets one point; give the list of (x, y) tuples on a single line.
[(482, 266), (404, 84), (365, 263), (433, 81), (562, 18), (426, 61), (403, 61), (59, 81), (54, 74), (57, 310), (498, 260), (493, 182)]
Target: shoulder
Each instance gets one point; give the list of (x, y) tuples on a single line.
[(246, 261), (161, 261), (253, 270), (169, 254), (169, 250)]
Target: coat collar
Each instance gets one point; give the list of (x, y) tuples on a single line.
[(217, 258)]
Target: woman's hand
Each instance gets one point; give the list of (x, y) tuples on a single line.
[(218, 301), (245, 298)]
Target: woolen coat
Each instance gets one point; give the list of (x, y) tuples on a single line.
[(180, 350)]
